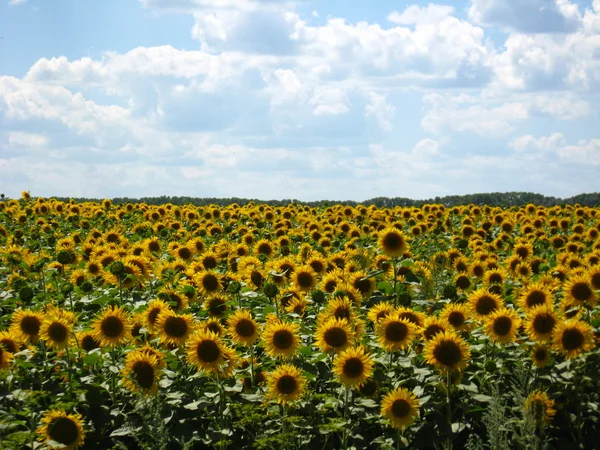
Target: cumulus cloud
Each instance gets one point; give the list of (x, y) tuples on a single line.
[(586, 151)]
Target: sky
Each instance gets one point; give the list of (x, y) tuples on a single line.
[(306, 100)]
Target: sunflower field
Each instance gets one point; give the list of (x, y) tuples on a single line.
[(126, 326)]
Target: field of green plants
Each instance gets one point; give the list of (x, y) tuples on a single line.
[(127, 326)]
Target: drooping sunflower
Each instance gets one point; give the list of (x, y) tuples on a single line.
[(353, 366), (394, 333), (540, 356), (572, 337), (9, 342), (392, 242), (539, 405), (173, 328), (280, 339), (26, 325), (112, 327), (242, 328), (534, 294), (502, 325), (483, 302), (55, 332), (540, 322), (206, 351), (456, 314), (285, 384), (578, 290), (141, 372), (63, 428), (400, 407), (87, 341), (447, 351), (432, 326), (216, 305), (334, 335)]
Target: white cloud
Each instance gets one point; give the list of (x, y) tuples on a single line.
[(26, 140), (329, 101), (17, 2), (416, 15), (531, 143), (382, 111), (586, 152)]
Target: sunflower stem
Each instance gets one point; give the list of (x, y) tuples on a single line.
[(346, 413), (394, 262), (449, 410), (252, 365), (69, 367)]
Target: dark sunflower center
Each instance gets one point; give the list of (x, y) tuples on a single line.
[(63, 430), (144, 374), (544, 323), (214, 327), (217, 307), (176, 299), (330, 286), (30, 325), (393, 242), (336, 337), (572, 339), (154, 246), (369, 388), (256, 278), (456, 318), (57, 332), (541, 354), (317, 266), (209, 262), (94, 269), (448, 353), (535, 298), (485, 305), (208, 351), (153, 314), (245, 328), (495, 278), (112, 326), (265, 249), (382, 315), (305, 280), (283, 339), (184, 253), (363, 286), (396, 331), (353, 368), (9, 345), (176, 327), (523, 252), (595, 279), (581, 291), (342, 313), (89, 343), (210, 282), (431, 331), (502, 326), (463, 282), (410, 317), (400, 408), (287, 384)]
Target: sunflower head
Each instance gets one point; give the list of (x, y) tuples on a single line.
[(141, 372), (353, 366), (400, 407), (55, 331), (26, 325), (280, 339), (456, 315), (112, 327), (535, 294), (572, 337), (540, 322), (483, 302), (502, 325), (242, 328), (578, 290), (447, 351), (304, 278), (334, 335), (206, 351), (540, 407), (63, 428), (285, 384), (540, 356), (174, 328), (392, 242), (432, 326), (394, 333)]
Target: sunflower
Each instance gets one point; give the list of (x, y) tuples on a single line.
[(264, 247), (87, 341), (578, 290), (394, 333), (400, 407), (216, 305), (174, 328), (341, 308), (112, 327), (317, 263), (540, 322), (534, 294), (9, 342), (572, 337), (55, 331), (334, 335), (242, 328), (483, 302), (540, 407), (456, 315), (297, 306), (26, 325), (206, 351), (141, 372), (392, 242), (432, 326), (353, 366), (447, 351), (152, 311), (63, 428), (280, 339), (304, 278), (411, 315), (502, 325), (380, 311), (540, 355), (214, 325), (208, 282), (5, 357), (285, 384)]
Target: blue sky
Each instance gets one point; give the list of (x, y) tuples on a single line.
[(309, 100)]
